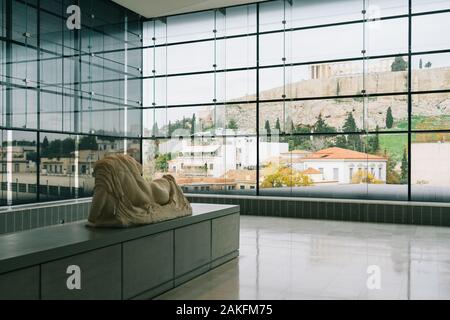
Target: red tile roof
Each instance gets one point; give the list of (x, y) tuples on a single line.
[(342, 154)]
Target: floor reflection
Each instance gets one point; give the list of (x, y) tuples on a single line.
[(306, 259)]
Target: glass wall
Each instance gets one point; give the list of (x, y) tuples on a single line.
[(67, 97), (335, 99)]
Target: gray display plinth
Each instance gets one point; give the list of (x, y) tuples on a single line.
[(75, 262)]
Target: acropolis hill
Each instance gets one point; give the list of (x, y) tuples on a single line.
[(334, 111)]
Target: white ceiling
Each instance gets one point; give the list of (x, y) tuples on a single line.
[(161, 8)]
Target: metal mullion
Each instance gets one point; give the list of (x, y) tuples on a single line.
[(409, 98), (38, 107), (258, 170)]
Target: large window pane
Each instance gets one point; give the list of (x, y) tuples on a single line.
[(192, 26), (430, 172), (319, 80), (319, 116), (431, 72), (236, 86), (238, 20), (18, 167), (226, 119), (386, 75), (236, 53), (426, 31), (58, 170), (388, 182), (429, 5), (343, 166), (212, 165), (431, 112), (328, 43), (386, 113), (190, 89), (385, 37), (190, 57)]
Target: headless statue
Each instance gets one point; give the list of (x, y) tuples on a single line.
[(123, 198)]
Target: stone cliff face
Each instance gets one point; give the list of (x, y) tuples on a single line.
[(370, 111)]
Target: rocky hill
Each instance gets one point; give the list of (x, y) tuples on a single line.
[(371, 111)]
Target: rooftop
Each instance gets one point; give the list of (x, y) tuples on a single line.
[(342, 154)]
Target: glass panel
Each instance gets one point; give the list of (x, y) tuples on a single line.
[(313, 12), (319, 80), (190, 89), (431, 72), (193, 26), (155, 91), (58, 169), (238, 20), (271, 15), (431, 112), (212, 165), (425, 31), (387, 113), (215, 120), (386, 75), (24, 22), (236, 86), (236, 53), (429, 5), (24, 66), (18, 167), (190, 57), (324, 166), (328, 43), (430, 172), (389, 180), (386, 37), (271, 49), (384, 8), (308, 116)]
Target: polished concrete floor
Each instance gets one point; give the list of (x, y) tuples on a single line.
[(306, 259)]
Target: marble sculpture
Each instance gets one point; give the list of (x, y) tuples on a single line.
[(123, 198)]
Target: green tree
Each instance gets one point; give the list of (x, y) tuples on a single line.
[(232, 124), (322, 127), (399, 64), (428, 64), (300, 139), (267, 128), (278, 125), (88, 143), (420, 64), (44, 147), (351, 141), (193, 122), (162, 162), (373, 145), (389, 119), (155, 129), (404, 168), (169, 128)]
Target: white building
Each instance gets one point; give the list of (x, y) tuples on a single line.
[(337, 165), (215, 157)]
